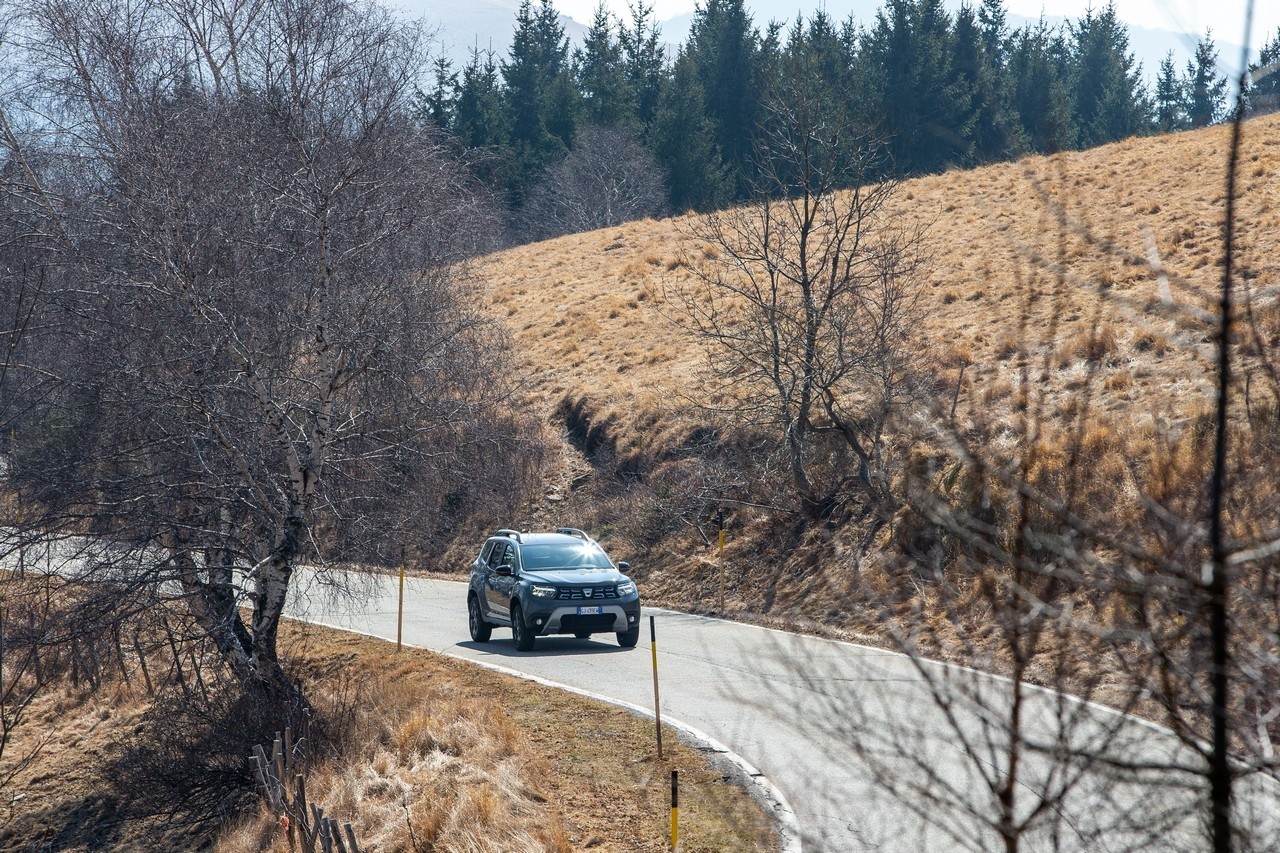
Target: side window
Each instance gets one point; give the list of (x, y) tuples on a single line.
[(499, 554), (486, 552)]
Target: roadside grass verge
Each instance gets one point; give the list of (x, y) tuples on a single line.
[(438, 754), (419, 752)]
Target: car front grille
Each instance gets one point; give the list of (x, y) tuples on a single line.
[(579, 593)]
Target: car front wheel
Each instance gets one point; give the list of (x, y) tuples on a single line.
[(519, 631), (480, 629), (628, 639)]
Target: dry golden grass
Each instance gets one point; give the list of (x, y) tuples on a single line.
[(1047, 246), (448, 757), (437, 754), (1047, 313)]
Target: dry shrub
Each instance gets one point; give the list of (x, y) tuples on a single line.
[(252, 833), (1119, 381), (995, 391), (635, 271), (1148, 341), (1007, 348), (1095, 345), (585, 325), (423, 768), (956, 354)]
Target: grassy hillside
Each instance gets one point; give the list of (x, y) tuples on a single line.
[(1088, 276), (586, 310)]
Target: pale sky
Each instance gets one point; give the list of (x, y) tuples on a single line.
[(1224, 17)]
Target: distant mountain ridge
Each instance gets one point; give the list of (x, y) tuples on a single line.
[(461, 26)]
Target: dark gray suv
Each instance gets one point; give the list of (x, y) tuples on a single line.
[(550, 583)]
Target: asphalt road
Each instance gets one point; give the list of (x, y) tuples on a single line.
[(871, 751)]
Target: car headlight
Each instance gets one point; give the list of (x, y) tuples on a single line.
[(626, 588), (543, 591)]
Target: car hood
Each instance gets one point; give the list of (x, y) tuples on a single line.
[(576, 576)]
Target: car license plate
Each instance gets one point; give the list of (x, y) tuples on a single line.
[(589, 610)]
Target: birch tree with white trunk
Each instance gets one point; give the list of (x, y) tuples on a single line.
[(273, 344)]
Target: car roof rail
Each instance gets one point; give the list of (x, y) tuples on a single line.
[(510, 534), (573, 531)]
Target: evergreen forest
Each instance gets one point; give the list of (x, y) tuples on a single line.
[(574, 138)]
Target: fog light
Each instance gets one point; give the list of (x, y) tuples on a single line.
[(537, 621), (631, 618)]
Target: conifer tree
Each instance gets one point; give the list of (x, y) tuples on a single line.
[(1206, 88), (924, 109), (1038, 67), (768, 70), (682, 137), (437, 106), (601, 75), (998, 133), (814, 62), (1171, 98), (1264, 77), (644, 64), (816, 57), (479, 119), (989, 135), (724, 48), (540, 93), (863, 96), (995, 31), (1110, 99)]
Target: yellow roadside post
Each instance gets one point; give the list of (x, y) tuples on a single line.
[(675, 809)]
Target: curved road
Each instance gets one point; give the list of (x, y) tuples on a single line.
[(872, 751)]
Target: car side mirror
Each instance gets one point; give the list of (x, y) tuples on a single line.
[(624, 565), (503, 571)]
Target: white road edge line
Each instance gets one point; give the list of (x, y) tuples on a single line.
[(788, 824)]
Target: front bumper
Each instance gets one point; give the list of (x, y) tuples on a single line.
[(566, 619)]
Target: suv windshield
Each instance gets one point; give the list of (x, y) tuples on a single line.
[(567, 556)]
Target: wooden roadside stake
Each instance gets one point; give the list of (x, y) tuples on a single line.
[(400, 607), (675, 809), (657, 707), (720, 524)]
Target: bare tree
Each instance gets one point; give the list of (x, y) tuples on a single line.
[(274, 343), (805, 300), (607, 179), (1090, 561)]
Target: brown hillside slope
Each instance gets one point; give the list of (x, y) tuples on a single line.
[(586, 309), (1098, 266)]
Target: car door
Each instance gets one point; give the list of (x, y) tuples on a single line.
[(497, 588)]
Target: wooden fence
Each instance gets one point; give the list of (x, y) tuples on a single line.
[(282, 780)]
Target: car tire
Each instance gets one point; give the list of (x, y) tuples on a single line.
[(628, 639), (480, 629), (519, 631), (582, 635)]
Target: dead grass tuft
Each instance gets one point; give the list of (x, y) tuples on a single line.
[(1096, 345), (1148, 341)]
